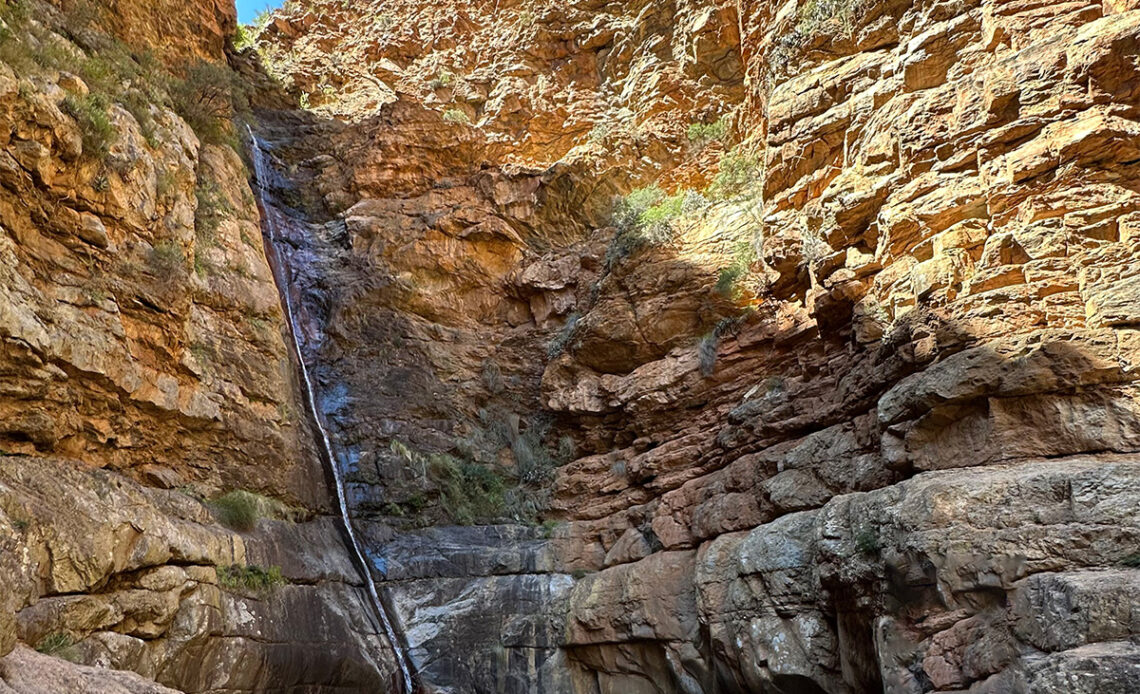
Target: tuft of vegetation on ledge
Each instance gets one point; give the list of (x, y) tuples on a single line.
[(645, 218), (251, 578), (240, 510)]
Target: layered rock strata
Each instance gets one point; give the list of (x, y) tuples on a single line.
[(143, 370), (856, 413), (907, 466)]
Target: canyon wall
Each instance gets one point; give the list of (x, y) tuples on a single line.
[(860, 416), (848, 403), (145, 372)]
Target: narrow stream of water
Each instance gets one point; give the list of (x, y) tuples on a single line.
[(281, 274)]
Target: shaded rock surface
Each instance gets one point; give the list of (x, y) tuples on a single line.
[(134, 578)]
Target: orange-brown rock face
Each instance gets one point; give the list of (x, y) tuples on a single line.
[(143, 370), (135, 340), (849, 405), (857, 419), (176, 31)]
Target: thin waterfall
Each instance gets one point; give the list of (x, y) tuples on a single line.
[(281, 275)]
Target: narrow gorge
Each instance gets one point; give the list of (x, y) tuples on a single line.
[(593, 347)]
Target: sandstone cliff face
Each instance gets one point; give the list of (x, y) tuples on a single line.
[(906, 466), (857, 413), (144, 370)]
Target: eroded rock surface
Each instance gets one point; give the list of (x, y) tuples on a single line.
[(143, 368), (856, 412), (906, 466)]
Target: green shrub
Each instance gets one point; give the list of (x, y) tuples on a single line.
[(549, 527), (237, 510), (53, 53), (728, 279), (208, 98), (251, 578), (59, 644), (645, 217), (814, 18), (492, 376), (628, 211), (139, 106), (455, 115), (90, 112), (244, 37), (240, 509), (663, 212), (15, 51), (102, 75), (444, 79), (738, 172), (203, 267), (167, 259), (469, 492), (535, 461), (16, 54), (165, 181), (702, 135), (15, 12), (1132, 560)]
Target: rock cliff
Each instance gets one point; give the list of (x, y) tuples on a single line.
[(145, 377), (845, 421), (696, 346)]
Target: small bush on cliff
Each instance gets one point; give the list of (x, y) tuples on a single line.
[(166, 259), (708, 346), (237, 510), (738, 172), (701, 135), (90, 112), (455, 115), (468, 492), (213, 207), (729, 278), (815, 18), (444, 79), (208, 98), (240, 510), (251, 578), (59, 644), (645, 217)]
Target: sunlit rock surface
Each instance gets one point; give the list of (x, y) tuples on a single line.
[(868, 421)]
